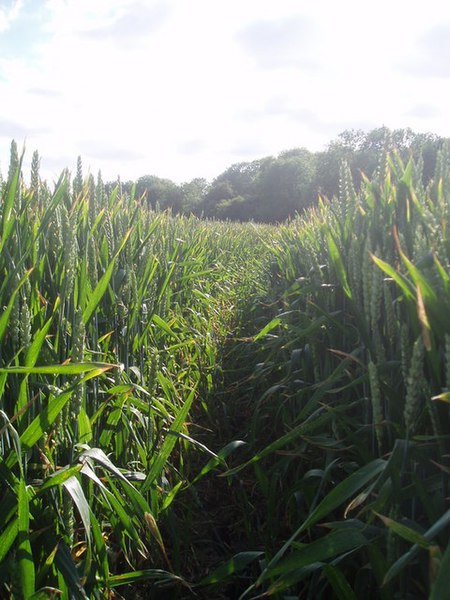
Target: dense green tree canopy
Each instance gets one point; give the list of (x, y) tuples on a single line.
[(274, 188), (193, 194), (160, 193), (285, 185), (362, 152)]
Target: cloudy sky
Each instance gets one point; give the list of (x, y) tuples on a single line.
[(185, 88)]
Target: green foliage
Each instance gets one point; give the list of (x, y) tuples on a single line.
[(349, 434), (362, 150), (191, 408), (112, 322), (275, 188), (159, 193), (266, 190)]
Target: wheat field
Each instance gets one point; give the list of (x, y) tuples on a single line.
[(195, 408)]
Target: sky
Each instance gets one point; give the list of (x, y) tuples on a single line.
[(186, 88)]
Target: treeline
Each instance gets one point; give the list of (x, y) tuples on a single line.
[(274, 188)]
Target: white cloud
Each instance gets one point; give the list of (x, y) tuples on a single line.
[(280, 43), (9, 13), (183, 89), (432, 56)]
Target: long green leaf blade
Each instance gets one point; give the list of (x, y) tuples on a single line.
[(169, 443), (24, 555), (102, 285)]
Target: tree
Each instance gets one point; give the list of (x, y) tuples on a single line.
[(218, 192), (235, 209), (160, 193), (272, 188), (193, 195), (242, 176), (362, 151), (240, 182), (285, 185), (269, 189)]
